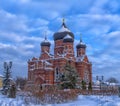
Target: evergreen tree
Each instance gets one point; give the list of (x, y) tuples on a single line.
[(69, 77), (89, 86), (6, 78), (83, 83)]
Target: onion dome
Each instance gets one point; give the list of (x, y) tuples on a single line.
[(45, 42), (81, 44), (68, 38), (62, 32)]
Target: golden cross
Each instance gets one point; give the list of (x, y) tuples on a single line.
[(80, 37)]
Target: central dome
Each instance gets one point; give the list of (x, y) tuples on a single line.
[(62, 32)]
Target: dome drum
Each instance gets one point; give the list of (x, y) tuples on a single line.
[(61, 35)]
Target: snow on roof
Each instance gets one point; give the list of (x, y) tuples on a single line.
[(112, 84), (97, 82), (45, 40), (80, 58), (47, 63), (49, 54), (48, 68), (67, 36), (63, 29)]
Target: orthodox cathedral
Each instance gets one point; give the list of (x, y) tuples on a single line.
[(46, 69)]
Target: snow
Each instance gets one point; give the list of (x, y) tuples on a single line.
[(1, 76), (82, 100), (49, 54), (67, 36), (63, 29), (48, 63), (80, 58), (46, 41)]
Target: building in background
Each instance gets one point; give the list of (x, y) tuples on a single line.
[(46, 69)]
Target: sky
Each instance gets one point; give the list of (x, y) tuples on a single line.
[(23, 24)]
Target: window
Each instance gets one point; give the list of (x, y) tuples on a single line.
[(86, 76), (57, 74), (32, 67)]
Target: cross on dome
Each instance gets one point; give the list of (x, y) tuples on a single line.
[(80, 37), (81, 44), (45, 42), (45, 34), (64, 27)]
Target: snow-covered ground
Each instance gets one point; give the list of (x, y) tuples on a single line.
[(81, 101)]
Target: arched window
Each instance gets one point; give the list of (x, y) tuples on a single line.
[(86, 76), (57, 74)]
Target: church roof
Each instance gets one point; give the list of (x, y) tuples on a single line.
[(64, 28), (68, 38), (62, 32), (81, 44), (45, 42)]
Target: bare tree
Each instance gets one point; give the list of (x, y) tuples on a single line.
[(20, 82), (112, 80)]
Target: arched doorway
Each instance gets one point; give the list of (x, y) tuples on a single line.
[(39, 81)]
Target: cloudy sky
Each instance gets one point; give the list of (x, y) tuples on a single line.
[(23, 23)]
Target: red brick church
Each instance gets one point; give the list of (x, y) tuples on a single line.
[(46, 69)]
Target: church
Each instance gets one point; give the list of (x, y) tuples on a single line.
[(46, 69)]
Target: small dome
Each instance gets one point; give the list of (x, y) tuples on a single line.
[(62, 32), (68, 38), (81, 45), (45, 43)]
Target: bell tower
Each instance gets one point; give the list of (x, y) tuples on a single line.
[(84, 67), (45, 45), (45, 48)]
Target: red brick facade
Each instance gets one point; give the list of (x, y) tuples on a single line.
[(46, 69)]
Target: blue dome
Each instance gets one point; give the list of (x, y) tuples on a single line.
[(45, 43), (81, 45)]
